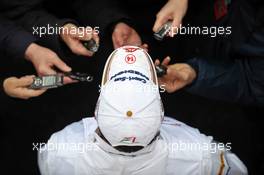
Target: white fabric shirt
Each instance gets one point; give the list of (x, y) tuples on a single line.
[(180, 149)]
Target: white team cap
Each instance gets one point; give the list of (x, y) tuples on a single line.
[(129, 110)]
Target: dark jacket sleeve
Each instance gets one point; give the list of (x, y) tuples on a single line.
[(101, 13), (32, 13), (40, 18), (14, 40), (238, 79)]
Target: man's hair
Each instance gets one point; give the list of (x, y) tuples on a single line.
[(128, 149)]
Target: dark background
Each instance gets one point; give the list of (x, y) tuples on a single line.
[(24, 122)]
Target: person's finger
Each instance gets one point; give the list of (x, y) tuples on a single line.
[(81, 34), (157, 62), (61, 65), (68, 80), (81, 50), (24, 81), (170, 86), (177, 86), (87, 34), (29, 76), (176, 78), (84, 37), (117, 40), (28, 93), (47, 71), (145, 47), (162, 82), (166, 61), (176, 24), (39, 92), (96, 38), (9, 83), (172, 73), (160, 21), (77, 48), (46, 68)]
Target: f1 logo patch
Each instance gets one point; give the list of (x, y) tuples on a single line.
[(130, 59), (128, 140)]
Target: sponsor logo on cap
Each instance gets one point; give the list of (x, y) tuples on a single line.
[(131, 72), (122, 76)]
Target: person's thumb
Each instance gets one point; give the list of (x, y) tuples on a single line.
[(173, 73), (61, 65), (160, 20), (24, 81), (117, 40), (175, 26)]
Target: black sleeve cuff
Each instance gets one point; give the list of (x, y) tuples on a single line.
[(193, 63), (17, 42)]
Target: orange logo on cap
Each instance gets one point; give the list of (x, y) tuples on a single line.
[(129, 113), (131, 49), (130, 59)]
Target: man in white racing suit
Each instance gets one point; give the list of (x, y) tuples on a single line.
[(129, 134)]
